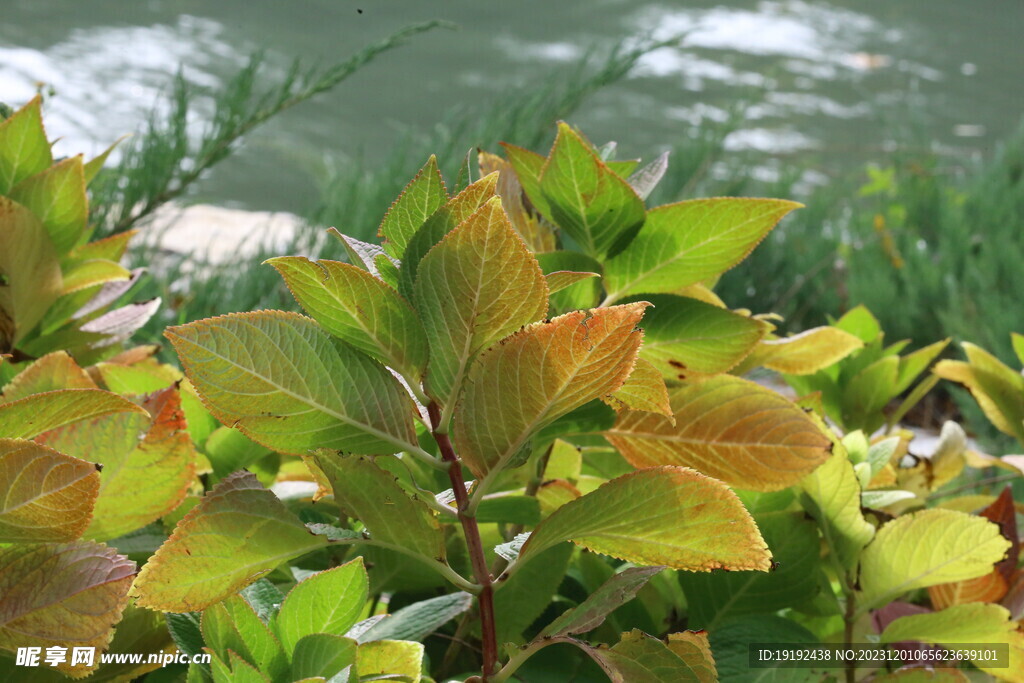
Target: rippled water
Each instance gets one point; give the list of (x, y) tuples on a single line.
[(822, 72)]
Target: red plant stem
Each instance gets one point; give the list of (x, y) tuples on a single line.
[(476, 549)]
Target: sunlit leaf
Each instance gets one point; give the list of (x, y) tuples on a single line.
[(53, 371), (372, 495), (965, 624), (29, 269), (960, 547), (585, 198), (93, 272), (399, 658), (998, 389), (38, 413), (832, 495), (327, 602), (57, 197), (584, 293), (44, 495), (640, 657), (421, 198), (668, 516), (59, 594), (644, 390), (860, 322), (807, 352), (478, 285), (287, 384), (690, 241), (24, 149), (232, 625), (236, 534), (354, 306), (148, 463), (539, 374), (538, 236), (729, 428)]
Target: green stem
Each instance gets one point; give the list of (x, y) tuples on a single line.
[(485, 597)]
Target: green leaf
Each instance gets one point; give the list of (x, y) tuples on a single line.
[(420, 619), (685, 337), (477, 286), (29, 269), (229, 450), (963, 624), (859, 322), (832, 495), (585, 293), (38, 413), (611, 595), (64, 594), (869, 392), (688, 242), (374, 496), (232, 625), (913, 364), (1017, 341), (668, 516), (185, 630), (729, 428), (52, 372), (732, 641), (793, 540), (640, 657), (540, 374), (93, 166), (590, 418), (441, 222), (509, 509), (287, 384), (148, 463), (421, 198), (24, 149), (358, 308), (322, 655), (521, 599), (362, 255), (330, 601), (536, 233), (528, 167), (236, 534), (44, 495), (57, 197), (959, 547), (398, 658), (587, 199), (560, 279)]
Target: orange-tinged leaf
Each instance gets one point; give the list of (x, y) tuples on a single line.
[(424, 195), (148, 463), (694, 649), (644, 390), (807, 352), (728, 428), (476, 286), (286, 383), (358, 308), (38, 413), (57, 197), (61, 594), (536, 375), (24, 149), (52, 372), (44, 495), (1003, 513), (237, 533), (670, 516), (988, 588), (28, 263), (554, 494), (640, 657)]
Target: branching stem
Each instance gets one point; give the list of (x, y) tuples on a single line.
[(485, 597)]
